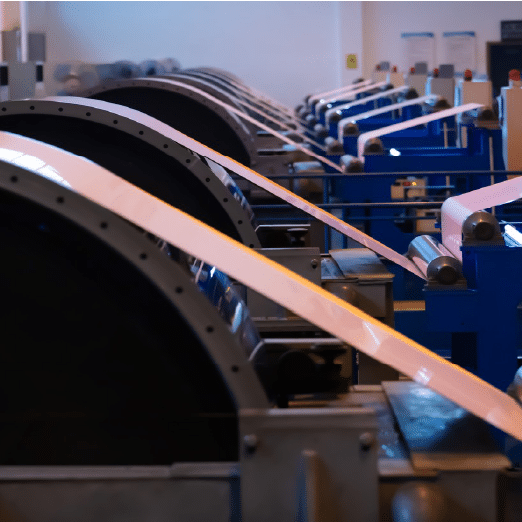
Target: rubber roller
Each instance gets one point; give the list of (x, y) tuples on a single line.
[(434, 260)]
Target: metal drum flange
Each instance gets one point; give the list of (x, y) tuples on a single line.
[(138, 148), (185, 110), (96, 317)]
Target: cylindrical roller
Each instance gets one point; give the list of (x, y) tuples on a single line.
[(351, 164), (351, 129), (303, 113), (335, 117), (152, 67), (481, 226), (373, 146), (320, 131), (410, 94), (311, 120), (333, 147), (434, 260), (486, 114), (440, 105), (170, 64), (125, 69)]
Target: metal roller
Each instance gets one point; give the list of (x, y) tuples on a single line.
[(333, 147), (410, 94), (321, 132), (434, 260), (351, 129), (351, 164), (373, 146), (481, 226)]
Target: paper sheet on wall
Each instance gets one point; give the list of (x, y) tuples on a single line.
[(418, 47), (460, 50)]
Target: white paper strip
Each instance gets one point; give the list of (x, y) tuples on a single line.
[(382, 110), (264, 97), (373, 97), (257, 123), (363, 138), (282, 123), (341, 90), (456, 209), (288, 289), (351, 94), (258, 98), (154, 125)]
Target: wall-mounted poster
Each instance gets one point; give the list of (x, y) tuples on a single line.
[(460, 50), (418, 47)]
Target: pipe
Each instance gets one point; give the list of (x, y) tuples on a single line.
[(24, 33)]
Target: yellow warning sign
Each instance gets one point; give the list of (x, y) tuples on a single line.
[(351, 61)]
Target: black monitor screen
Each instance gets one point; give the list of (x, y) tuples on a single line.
[(502, 57)]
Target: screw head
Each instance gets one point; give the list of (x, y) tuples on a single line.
[(251, 443), (366, 440)]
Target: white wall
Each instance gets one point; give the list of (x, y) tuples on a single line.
[(383, 23), (287, 49), (350, 29)]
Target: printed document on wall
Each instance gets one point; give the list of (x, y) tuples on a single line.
[(460, 50), (418, 47)]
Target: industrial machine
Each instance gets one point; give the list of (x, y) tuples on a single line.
[(346, 129), (154, 95), (442, 82), (124, 139), (461, 292), (427, 173), (185, 101), (192, 434), (387, 97), (509, 116), (417, 77), (384, 72), (132, 145)]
